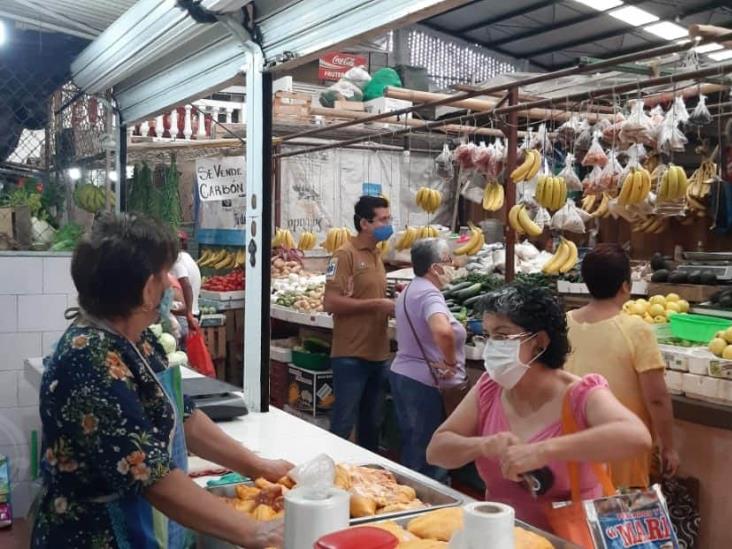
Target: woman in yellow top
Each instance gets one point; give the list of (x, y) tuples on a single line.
[(622, 349)]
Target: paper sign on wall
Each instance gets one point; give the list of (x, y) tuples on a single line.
[(221, 178)]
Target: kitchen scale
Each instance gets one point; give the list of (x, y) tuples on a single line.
[(718, 263), (218, 400)]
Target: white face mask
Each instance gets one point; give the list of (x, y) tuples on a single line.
[(501, 361)]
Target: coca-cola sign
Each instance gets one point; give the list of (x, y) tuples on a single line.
[(334, 65)]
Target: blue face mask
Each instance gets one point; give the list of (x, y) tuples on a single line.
[(383, 232), (166, 302)]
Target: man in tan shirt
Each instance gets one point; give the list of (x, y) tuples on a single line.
[(355, 293)]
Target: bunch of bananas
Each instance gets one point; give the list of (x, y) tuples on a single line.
[(651, 225), (383, 247), (700, 186), (519, 220), (221, 259), (493, 196), (335, 238), (412, 234), (283, 239), (474, 244), (673, 184), (636, 186), (597, 208), (551, 192), (528, 168), (429, 199), (92, 198), (307, 241), (563, 260)]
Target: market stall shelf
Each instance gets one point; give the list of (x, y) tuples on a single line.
[(319, 320)]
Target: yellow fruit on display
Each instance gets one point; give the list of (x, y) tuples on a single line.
[(728, 335), (657, 300), (628, 307), (657, 310), (727, 353), (683, 306), (660, 319), (639, 309), (669, 314), (673, 306), (673, 297), (649, 319), (717, 346)]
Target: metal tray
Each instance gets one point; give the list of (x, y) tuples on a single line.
[(558, 543), (434, 495)]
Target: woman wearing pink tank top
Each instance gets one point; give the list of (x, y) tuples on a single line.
[(510, 422)]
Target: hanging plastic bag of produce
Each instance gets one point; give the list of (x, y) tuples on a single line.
[(591, 182), (567, 218), (481, 158), (637, 127), (463, 155), (680, 112), (610, 174), (443, 166), (584, 137), (612, 132), (570, 174), (671, 139), (700, 116), (542, 140), (542, 218), (567, 132), (595, 156)]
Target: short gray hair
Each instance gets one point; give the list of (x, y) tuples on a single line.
[(427, 252)]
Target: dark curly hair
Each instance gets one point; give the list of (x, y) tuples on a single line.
[(112, 264), (535, 309)]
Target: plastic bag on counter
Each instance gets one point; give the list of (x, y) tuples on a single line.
[(570, 174), (443, 166), (567, 218), (637, 518), (584, 137), (463, 155), (637, 127), (318, 474), (671, 138), (482, 158), (700, 116), (525, 250), (610, 174), (595, 155)]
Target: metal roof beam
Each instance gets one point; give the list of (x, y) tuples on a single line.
[(618, 32), (583, 18), (506, 16), (32, 23), (59, 17)]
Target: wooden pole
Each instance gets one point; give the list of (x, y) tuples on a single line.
[(511, 132)]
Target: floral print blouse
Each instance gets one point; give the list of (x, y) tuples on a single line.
[(106, 431)]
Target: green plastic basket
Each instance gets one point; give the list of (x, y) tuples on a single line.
[(316, 362), (699, 328)]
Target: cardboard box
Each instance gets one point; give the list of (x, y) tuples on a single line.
[(310, 391)]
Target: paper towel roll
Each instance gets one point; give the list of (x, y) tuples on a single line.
[(311, 513), (488, 524)]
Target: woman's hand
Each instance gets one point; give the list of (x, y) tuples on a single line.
[(268, 534), (522, 458), (274, 469), (495, 446)]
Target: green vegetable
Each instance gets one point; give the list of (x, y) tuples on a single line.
[(168, 343), (170, 210), (468, 292)]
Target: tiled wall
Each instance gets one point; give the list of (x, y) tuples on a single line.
[(35, 290)]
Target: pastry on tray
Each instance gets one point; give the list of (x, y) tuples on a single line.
[(393, 528), (437, 525)]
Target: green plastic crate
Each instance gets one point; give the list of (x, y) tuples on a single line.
[(699, 328), (316, 362)]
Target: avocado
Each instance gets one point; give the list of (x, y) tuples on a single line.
[(708, 278), (658, 263), (695, 277), (661, 275), (678, 277)]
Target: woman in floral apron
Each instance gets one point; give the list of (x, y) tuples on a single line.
[(116, 427)]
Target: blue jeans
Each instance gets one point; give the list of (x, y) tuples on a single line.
[(420, 412), (357, 384)]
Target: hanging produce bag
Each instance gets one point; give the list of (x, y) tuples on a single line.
[(595, 156), (700, 116), (198, 356), (443, 167)]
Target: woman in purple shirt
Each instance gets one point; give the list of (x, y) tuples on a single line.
[(433, 332)]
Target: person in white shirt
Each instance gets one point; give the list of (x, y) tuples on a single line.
[(186, 271)]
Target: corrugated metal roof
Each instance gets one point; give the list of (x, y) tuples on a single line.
[(83, 18)]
